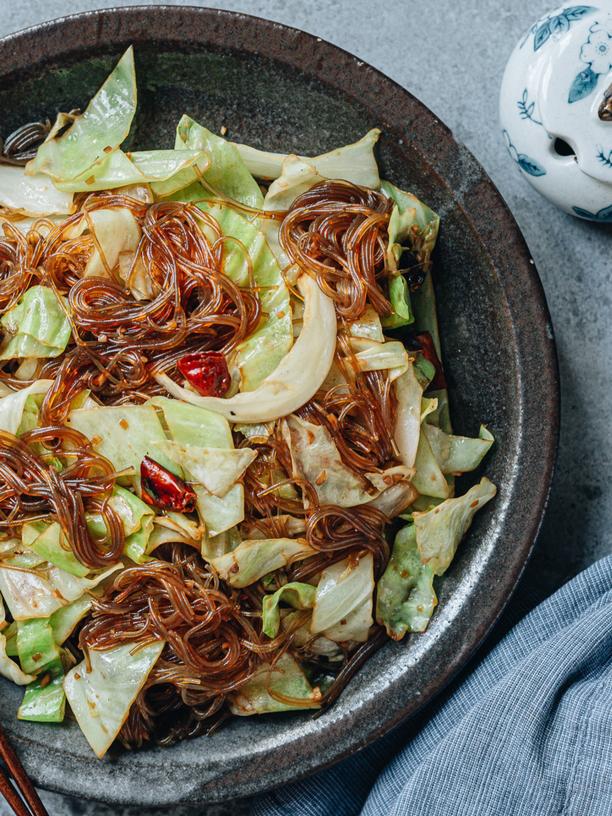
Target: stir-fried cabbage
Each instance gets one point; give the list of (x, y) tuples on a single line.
[(251, 560), (270, 686), (387, 356), (44, 700), (405, 597), (13, 405), (408, 424), (8, 667), (315, 457), (51, 546), (343, 601), (124, 434), (413, 226), (457, 454), (101, 694), (38, 594), (256, 461), (439, 531), (191, 425), (297, 595), (215, 469), (353, 162), (220, 513), (36, 326), (428, 478), (121, 170), (116, 231), (225, 174), (34, 196), (95, 133)]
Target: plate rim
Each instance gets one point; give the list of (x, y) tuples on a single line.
[(301, 55)]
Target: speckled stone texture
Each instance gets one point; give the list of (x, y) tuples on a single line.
[(452, 58)]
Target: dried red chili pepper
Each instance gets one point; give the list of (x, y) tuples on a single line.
[(428, 350), (163, 489), (207, 371)]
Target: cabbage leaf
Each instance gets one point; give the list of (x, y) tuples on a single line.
[(95, 133), (36, 326), (44, 699), (405, 597), (33, 196), (260, 353), (120, 170), (137, 520), (191, 425), (439, 531), (38, 594), (457, 454), (253, 559), (368, 326), (215, 469), (8, 667), (297, 595), (428, 477), (64, 621), (101, 697), (354, 162), (124, 434), (220, 514), (315, 457), (36, 645), (408, 423), (343, 602), (298, 177), (223, 170), (175, 527), (116, 231), (413, 225), (13, 405), (227, 176), (386, 356), (413, 221), (51, 545), (264, 692)]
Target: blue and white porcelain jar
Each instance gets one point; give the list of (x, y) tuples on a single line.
[(556, 108)]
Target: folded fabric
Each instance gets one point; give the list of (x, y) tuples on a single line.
[(527, 733)]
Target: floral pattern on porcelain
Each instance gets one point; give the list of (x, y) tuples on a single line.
[(552, 90), (525, 162), (555, 24), (603, 216), (527, 108), (597, 54), (605, 159)]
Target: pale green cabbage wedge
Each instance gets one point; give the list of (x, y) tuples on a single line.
[(282, 687), (95, 133), (439, 531), (36, 326), (405, 597), (101, 696)]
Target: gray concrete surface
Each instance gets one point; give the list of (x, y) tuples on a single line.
[(452, 55)]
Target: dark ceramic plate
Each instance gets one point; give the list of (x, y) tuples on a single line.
[(278, 88)]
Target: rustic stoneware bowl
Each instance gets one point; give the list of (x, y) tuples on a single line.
[(278, 88)]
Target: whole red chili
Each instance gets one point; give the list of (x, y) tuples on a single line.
[(428, 350), (207, 371), (163, 489)]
